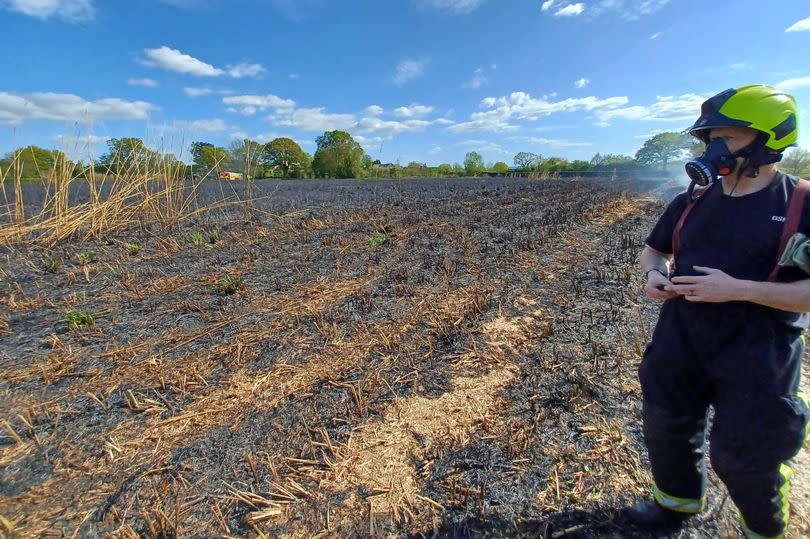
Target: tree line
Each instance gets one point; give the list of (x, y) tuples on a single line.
[(338, 155)]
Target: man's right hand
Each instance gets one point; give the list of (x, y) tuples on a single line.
[(655, 286)]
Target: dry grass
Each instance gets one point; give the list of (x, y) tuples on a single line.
[(460, 371), (119, 198)]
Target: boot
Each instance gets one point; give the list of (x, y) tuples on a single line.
[(651, 515)]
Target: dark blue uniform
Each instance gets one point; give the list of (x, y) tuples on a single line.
[(740, 357)]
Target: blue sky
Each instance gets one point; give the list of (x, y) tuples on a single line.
[(424, 80)]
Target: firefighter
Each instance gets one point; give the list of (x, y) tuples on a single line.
[(730, 332)]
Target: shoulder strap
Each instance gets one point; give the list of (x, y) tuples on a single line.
[(676, 232), (792, 220)]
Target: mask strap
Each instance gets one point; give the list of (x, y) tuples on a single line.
[(756, 154)]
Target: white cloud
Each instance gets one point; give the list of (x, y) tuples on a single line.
[(369, 142), (665, 109), (453, 6), (636, 112), (81, 139), (318, 119), (174, 60), (238, 135), (198, 126), (792, 84), (482, 122), (630, 10), (79, 147), (264, 138), (650, 134), (250, 104), (554, 143), (582, 83), (242, 70), (313, 119), (414, 110), (656, 35), (68, 10), (522, 106), (197, 92), (525, 107), (389, 127), (570, 10), (408, 70), (800, 26), (17, 108), (478, 79), (373, 110), (436, 150), (484, 146), (149, 83), (548, 4), (295, 76)]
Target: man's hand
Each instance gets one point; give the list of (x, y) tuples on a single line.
[(714, 287), (655, 288)]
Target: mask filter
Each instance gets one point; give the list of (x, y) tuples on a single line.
[(716, 161)]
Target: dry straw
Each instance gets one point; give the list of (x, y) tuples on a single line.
[(120, 195)]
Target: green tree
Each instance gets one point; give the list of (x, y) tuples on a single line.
[(555, 164), (129, 155), (612, 160), (796, 161), (246, 156), (665, 147), (212, 159), (197, 149), (581, 166), (500, 167), (169, 167), (473, 163), (306, 167), (338, 156), (285, 154), (367, 163), (444, 169), (34, 163), (527, 160), (417, 170)]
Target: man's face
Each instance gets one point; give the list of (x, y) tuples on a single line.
[(736, 138)]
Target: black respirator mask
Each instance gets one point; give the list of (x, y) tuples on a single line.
[(716, 161)]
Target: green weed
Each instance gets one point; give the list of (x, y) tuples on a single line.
[(78, 317), (229, 285), (51, 265), (196, 238), (88, 257), (377, 239)]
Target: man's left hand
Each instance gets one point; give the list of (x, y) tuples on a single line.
[(714, 287)]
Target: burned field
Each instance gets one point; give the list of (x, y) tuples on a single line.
[(432, 362)]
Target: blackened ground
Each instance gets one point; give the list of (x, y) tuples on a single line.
[(416, 358)]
